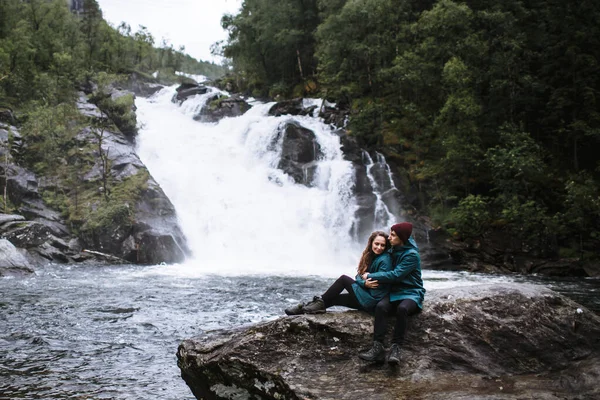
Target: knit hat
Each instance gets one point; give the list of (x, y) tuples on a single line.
[(403, 230)]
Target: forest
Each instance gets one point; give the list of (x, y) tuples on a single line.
[(487, 110), (47, 51)]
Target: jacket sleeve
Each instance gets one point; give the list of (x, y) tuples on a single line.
[(385, 264), (400, 271), (360, 281)]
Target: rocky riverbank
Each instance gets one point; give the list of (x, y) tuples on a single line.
[(479, 342)]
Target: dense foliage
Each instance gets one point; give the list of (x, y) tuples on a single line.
[(45, 51), (490, 109)]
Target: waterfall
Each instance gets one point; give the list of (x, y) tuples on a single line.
[(239, 212), (381, 181)]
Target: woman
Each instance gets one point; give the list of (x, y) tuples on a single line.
[(405, 297), (362, 294)]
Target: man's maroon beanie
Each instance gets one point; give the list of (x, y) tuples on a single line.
[(403, 230)]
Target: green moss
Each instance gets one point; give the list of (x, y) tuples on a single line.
[(105, 216), (118, 210), (6, 205), (216, 104)]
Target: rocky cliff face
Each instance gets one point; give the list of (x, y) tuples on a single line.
[(154, 235), (148, 234), (478, 342)]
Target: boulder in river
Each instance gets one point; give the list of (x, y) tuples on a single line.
[(12, 262), (291, 107), (510, 341), (300, 152), (220, 106), (186, 90)]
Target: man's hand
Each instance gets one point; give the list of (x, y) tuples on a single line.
[(371, 283)]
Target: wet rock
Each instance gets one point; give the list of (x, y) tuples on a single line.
[(87, 109), (334, 114), (27, 234), (154, 219), (7, 116), (6, 218), (592, 269), (152, 236), (350, 147), (158, 237), (492, 254), (21, 184), (52, 253), (186, 90), (291, 107), (141, 86), (218, 107), (300, 152), (480, 342), (12, 262)]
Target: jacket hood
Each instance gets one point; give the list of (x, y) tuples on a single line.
[(410, 244)]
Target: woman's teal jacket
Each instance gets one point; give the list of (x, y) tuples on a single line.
[(368, 298), (405, 277)]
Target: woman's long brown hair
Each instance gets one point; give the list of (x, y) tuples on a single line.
[(367, 255)]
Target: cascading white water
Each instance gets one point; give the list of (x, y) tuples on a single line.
[(240, 213), (383, 215)]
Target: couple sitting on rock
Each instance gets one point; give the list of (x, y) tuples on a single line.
[(388, 280)]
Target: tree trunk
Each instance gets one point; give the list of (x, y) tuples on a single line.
[(299, 64)]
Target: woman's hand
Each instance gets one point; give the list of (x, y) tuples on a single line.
[(371, 284), (364, 276)]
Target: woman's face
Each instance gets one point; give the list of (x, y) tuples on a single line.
[(378, 246), (394, 239)]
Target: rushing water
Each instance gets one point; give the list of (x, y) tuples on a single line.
[(239, 212), (260, 243)]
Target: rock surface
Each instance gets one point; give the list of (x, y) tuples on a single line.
[(300, 152), (479, 342), (186, 90), (219, 106), (152, 236), (12, 262), (291, 107)]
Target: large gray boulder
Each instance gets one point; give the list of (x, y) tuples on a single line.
[(220, 106), (291, 107), (300, 152), (186, 90), (12, 262), (479, 342)]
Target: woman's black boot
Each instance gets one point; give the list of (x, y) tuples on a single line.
[(394, 357), (317, 306), (376, 353)]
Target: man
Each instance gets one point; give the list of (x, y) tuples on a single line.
[(406, 294)]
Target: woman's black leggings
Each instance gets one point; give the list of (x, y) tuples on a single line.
[(403, 309), (334, 297)]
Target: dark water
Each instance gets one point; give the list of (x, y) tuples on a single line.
[(112, 332)]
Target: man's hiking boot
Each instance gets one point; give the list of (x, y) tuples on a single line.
[(376, 353), (296, 310), (316, 306), (394, 357)]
